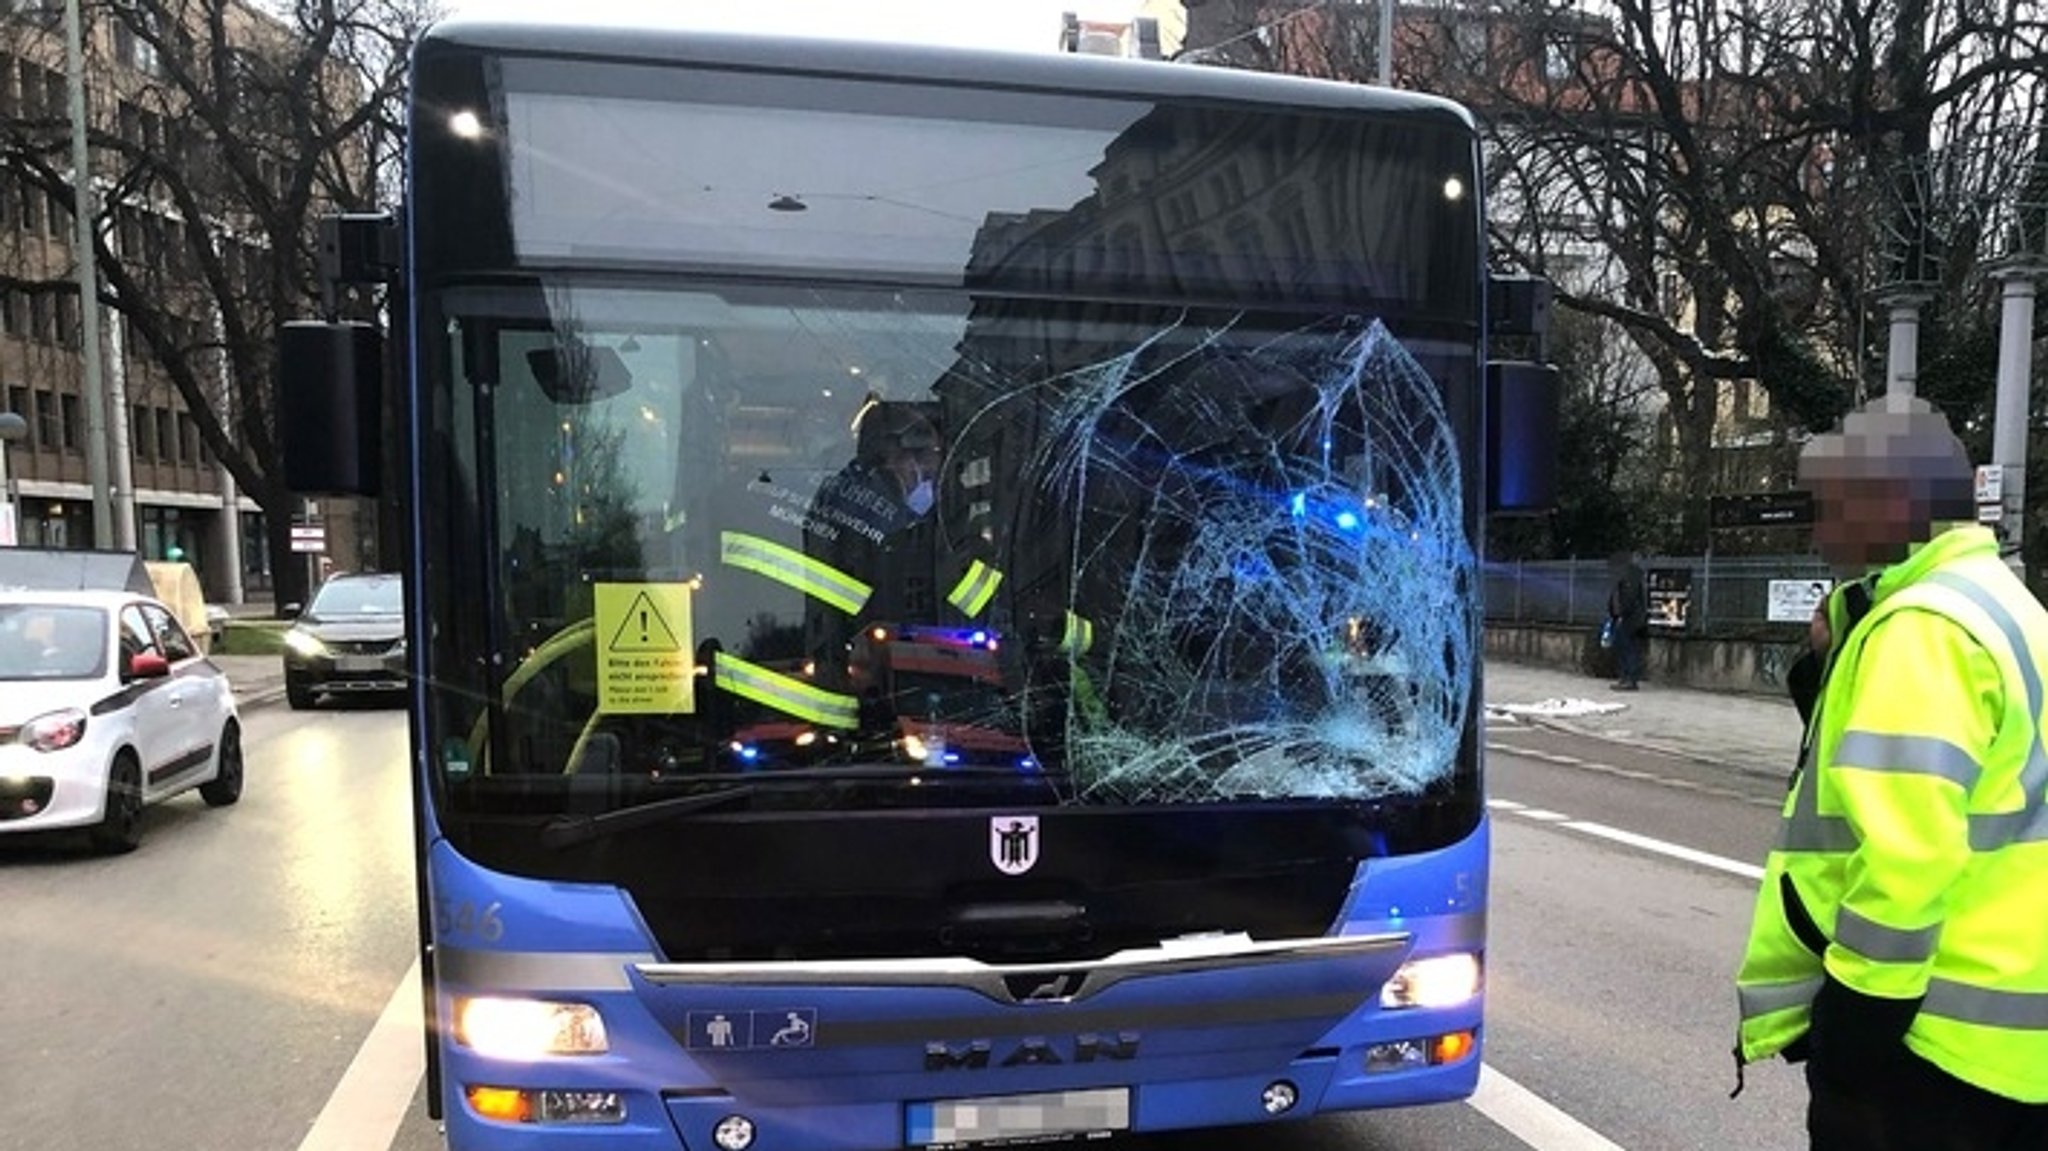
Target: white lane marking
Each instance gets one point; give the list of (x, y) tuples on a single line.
[(1530, 1119), (1505, 805), (377, 1089), (1675, 851), (1544, 815)]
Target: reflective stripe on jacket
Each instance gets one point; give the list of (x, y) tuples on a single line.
[(1914, 838)]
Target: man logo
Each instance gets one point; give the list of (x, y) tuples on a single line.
[(1013, 843)]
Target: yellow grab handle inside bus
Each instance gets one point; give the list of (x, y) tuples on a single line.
[(582, 633)]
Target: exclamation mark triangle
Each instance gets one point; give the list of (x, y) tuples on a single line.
[(643, 629)]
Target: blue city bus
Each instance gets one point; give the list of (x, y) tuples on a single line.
[(944, 586)]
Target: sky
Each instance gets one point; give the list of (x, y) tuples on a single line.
[(1028, 25)]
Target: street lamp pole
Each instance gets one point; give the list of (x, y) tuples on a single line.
[(98, 444)]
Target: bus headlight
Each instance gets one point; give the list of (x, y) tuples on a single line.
[(1437, 981), (523, 1030)]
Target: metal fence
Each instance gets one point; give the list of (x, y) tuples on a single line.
[(1694, 594)]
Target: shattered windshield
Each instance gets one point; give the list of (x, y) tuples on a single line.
[(1198, 556)]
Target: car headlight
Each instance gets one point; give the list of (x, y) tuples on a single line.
[(1438, 981), (304, 642), (523, 1030), (55, 731)]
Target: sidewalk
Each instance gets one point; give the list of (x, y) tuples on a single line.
[(1755, 734), (258, 679)]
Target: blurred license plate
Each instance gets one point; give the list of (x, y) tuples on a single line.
[(359, 663), (1017, 1118)]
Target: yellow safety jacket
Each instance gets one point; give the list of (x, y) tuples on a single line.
[(1915, 839)]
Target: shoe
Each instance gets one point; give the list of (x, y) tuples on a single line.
[(1625, 685)]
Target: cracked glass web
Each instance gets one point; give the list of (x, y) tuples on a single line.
[(1295, 622)]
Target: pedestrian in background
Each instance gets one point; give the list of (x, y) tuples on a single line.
[(1628, 619), (1900, 942)]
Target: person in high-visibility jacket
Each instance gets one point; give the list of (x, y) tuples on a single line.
[(1900, 941)]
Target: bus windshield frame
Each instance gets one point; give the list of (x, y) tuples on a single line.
[(542, 246)]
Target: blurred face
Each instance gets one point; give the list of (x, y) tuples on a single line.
[(913, 466), (1862, 523)]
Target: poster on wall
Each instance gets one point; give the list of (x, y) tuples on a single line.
[(1794, 600), (1670, 596)]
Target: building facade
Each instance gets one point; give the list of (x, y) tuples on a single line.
[(146, 139)]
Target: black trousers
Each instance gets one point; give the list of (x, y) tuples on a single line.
[(1909, 1104)]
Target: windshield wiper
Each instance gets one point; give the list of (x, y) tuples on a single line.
[(570, 830)]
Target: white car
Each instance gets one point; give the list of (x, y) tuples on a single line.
[(106, 705)]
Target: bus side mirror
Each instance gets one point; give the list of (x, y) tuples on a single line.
[(330, 391), (1523, 408)]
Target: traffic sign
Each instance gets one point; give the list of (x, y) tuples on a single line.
[(1760, 509)]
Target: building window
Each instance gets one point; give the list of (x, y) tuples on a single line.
[(31, 200), (17, 402), (69, 326), (188, 437), (31, 91), (49, 432), (139, 428), (131, 49), (1470, 37), (40, 318), (167, 445), (74, 432), (1557, 60)]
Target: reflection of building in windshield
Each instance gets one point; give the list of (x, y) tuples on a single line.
[(1205, 460)]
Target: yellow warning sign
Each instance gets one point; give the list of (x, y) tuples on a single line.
[(643, 649)]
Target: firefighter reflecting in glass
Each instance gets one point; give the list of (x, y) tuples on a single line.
[(872, 521)]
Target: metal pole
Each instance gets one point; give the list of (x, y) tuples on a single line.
[(121, 443), (98, 446), (1386, 46), (1707, 584), (1902, 368), (230, 493), (2015, 370)]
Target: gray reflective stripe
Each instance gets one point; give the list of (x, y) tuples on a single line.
[(2028, 825), (1806, 829), (495, 971), (785, 693), (814, 578), (2020, 1010), (1991, 832), (1911, 754), (1765, 998), (1885, 944)]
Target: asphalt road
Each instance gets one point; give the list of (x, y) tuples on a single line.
[(222, 987)]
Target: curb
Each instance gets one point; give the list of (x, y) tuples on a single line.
[(263, 697)]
